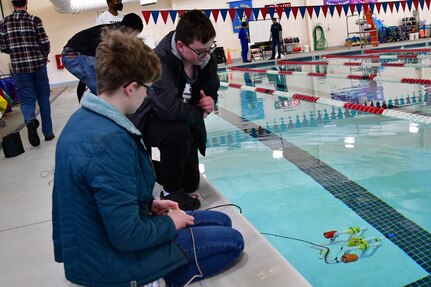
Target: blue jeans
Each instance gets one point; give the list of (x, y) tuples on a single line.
[(244, 51), (83, 67), (32, 87), (276, 43), (217, 246)]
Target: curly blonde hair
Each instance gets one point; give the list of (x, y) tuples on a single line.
[(122, 57)]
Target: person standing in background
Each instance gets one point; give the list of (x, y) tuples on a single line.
[(244, 39), (112, 15), (108, 17), (23, 37), (276, 38), (79, 54)]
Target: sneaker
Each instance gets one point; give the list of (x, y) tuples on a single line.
[(33, 137), (50, 138), (272, 58), (185, 201)]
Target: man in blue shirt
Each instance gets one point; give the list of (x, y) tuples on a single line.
[(244, 39), (276, 38)]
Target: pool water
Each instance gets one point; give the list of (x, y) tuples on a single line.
[(299, 169)]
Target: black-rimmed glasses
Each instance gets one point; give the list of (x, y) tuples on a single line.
[(202, 55), (150, 89)]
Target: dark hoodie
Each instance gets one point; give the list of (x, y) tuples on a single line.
[(167, 103)]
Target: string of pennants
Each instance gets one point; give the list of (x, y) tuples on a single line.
[(288, 11)]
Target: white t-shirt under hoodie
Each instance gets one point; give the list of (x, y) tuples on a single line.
[(107, 18)]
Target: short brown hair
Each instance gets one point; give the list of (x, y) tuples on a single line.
[(194, 25), (122, 57)]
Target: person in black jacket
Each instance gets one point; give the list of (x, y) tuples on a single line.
[(276, 38), (78, 55), (172, 119)]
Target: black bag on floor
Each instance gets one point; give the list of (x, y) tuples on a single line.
[(12, 145)]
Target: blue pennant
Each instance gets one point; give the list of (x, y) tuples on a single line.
[(256, 13), (409, 4), (302, 9), (155, 16), (173, 14), (331, 10), (359, 8), (287, 11), (223, 14), (207, 12), (346, 9), (317, 11), (271, 12), (385, 6)]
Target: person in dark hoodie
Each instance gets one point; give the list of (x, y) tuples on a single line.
[(78, 54), (172, 119)]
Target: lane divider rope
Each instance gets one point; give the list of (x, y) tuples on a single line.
[(381, 57), (358, 64), (346, 105), (336, 76)]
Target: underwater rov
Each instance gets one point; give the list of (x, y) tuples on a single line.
[(353, 247)]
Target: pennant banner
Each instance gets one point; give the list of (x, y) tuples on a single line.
[(249, 13)]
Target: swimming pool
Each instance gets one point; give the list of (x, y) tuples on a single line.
[(299, 169)]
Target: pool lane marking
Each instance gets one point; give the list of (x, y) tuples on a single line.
[(416, 118), (336, 76), (408, 236), (358, 64)]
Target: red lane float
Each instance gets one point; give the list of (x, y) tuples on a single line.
[(336, 76), (422, 50), (292, 63), (346, 105)]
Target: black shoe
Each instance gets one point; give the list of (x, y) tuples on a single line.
[(272, 58), (50, 138), (33, 137), (279, 57), (185, 201), (248, 61)]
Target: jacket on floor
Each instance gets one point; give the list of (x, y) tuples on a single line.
[(102, 229), (167, 102)]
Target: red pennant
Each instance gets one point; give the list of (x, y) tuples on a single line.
[(247, 12), (416, 3), (428, 2), (310, 11), (324, 10), (295, 11), (147, 15), (391, 6), (181, 12), (264, 11), (339, 9), (403, 5), (280, 11), (232, 13), (215, 14), (165, 15), (378, 6), (352, 8)]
